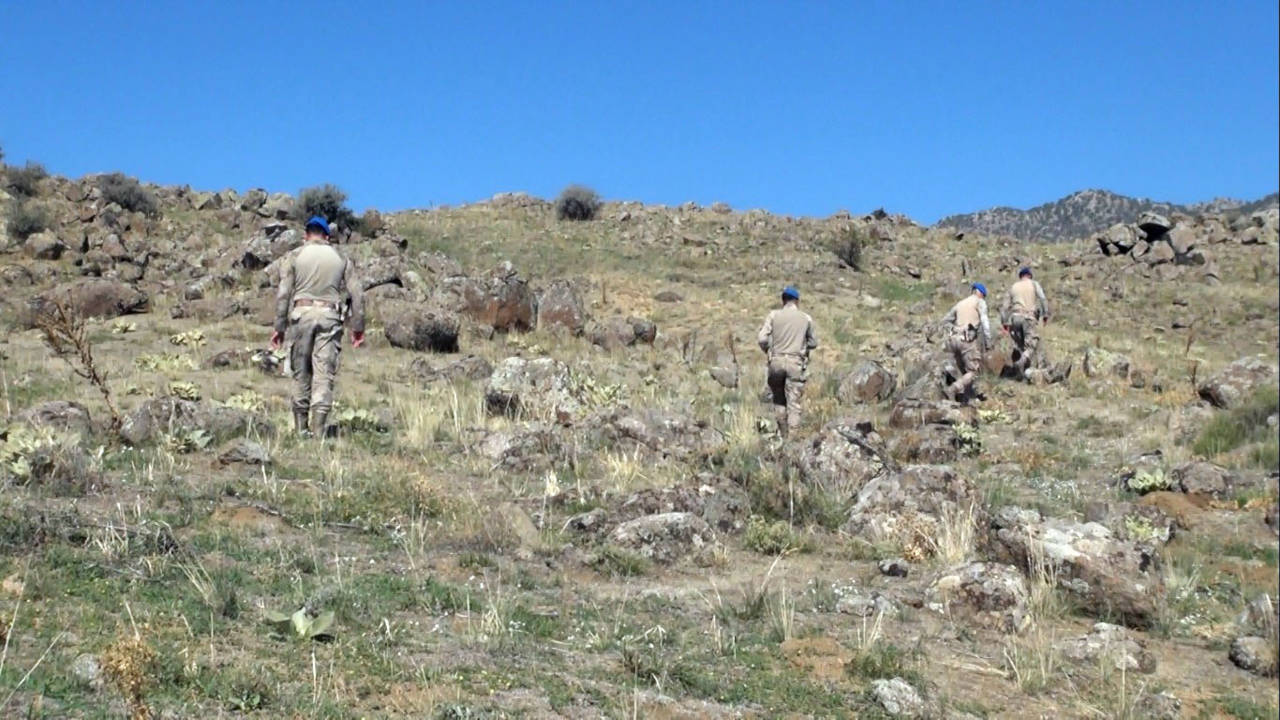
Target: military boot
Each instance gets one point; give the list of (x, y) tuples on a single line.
[(321, 425), (300, 423)]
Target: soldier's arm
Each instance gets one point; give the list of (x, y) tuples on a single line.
[(284, 295), (766, 333), (356, 293), (986, 323), (1044, 302)]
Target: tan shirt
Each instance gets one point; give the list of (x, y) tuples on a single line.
[(787, 332), (970, 312), (318, 272), (1025, 298)]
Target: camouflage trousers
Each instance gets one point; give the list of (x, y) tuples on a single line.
[(787, 376), (1026, 342), (967, 355), (315, 343)]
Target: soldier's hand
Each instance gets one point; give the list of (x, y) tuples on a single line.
[(275, 340), (357, 339)]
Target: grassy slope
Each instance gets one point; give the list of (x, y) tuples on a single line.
[(443, 610)]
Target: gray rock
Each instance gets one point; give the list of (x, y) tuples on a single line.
[(1159, 706), (863, 605), (1104, 363), (656, 432), (993, 594), (471, 367), (91, 298), (621, 332), (63, 415), (894, 567), (840, 459), (868, 382), (86, 669), (414, 327), (1233, 385), (909, 507), (539, 388), (1203, 478), (665, 537), (1154, 224), (1254, 654), (244, 452), (1110, 644), (898, 698), (503, 301), (1107, 576), (520, 448), (167, 415), (44, 246)]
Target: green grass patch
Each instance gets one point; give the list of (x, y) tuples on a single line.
[(1242, 425)]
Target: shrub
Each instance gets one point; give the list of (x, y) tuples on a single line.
[(577, 202), (849, 247), (128, 193), (1239, 426), (328, 201), (25, 180), (27, 218)]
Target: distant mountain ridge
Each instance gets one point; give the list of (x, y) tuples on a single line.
[(1085, 212)]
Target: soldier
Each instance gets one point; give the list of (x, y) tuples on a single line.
[(787, 337), (968, 325), (318, 287), (1023, 309)]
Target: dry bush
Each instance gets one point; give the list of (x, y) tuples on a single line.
[(25, 218), (329, 202), (25, 181), (128, 193), (66, 335), (577, 202)]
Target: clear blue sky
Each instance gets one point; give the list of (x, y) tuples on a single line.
[(802, 108)]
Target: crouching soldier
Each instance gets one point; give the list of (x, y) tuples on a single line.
[(318, 288), (969, 337), (787, 337)]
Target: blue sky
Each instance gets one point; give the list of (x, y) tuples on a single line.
[(802, 108)]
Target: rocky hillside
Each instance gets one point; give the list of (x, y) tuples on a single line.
[(1083, 213), (554, 489)]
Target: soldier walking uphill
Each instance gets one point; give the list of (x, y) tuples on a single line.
[(788, 337), (317, 287), (1024, 308), (970, 336)]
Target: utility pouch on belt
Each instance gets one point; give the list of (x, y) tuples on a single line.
[(971, 333)]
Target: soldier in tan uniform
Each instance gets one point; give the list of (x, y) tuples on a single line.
[(1024, 308), (969, 337), (787, 337), (317, 286)]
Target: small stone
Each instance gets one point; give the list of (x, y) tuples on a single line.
[(245, 452), (898, 698), (894, 567), (86, 669)]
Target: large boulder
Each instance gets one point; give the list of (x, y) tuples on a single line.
[(1233, 385), (1254, 654), (521, 448), (868, 382), (561, 308), (843, 457), (1203, 478), (414, 327), (920, 508), (1154, 224), (991, 594), (621, 332), (1107, 576), (44, 246), (90, 298), (503, 301), (170, 415), (662, 434), (539, 388), (665, 537)]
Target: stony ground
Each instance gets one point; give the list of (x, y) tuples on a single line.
[(608, 526)]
